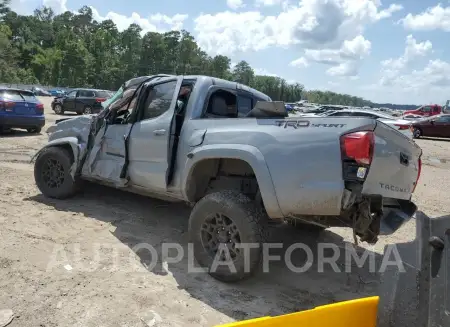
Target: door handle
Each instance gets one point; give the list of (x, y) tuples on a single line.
[(159, 132)]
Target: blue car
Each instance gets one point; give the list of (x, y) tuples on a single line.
[(21, 109), (56, 93)]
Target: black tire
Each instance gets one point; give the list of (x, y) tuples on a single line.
[(58, 109), (87, 110), (67, 185), (36, 130), (250, 222), (417, 133)]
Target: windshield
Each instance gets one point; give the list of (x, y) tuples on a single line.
[(116, 96)]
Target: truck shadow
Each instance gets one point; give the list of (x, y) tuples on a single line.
[(139, 220)]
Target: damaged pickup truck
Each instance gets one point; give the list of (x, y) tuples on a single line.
[(238, 158)]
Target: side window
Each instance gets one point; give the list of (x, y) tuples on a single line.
[(159, 99), (443, 119), (72, 94), (86, 94), (426, 109), (245, 105)]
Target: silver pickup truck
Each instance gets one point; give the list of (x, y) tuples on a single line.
[(238, 158)]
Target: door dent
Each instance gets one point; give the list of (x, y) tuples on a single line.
[(197, 137)]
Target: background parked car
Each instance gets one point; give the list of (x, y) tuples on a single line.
[(40, 92), (401, 125), (437, 126), (55, 92), (21, 109), (427, 110), (81, 101)]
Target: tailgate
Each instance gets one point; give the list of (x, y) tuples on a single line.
[(395, 164), (25, 108)]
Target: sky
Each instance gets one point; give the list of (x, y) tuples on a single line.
[(392, 51)]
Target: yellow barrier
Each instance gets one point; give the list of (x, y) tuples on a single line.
[(355, 313)]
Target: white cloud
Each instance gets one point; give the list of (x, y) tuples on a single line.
[(58, 6), (391, 68), (429, 84), (235, 4), (154, 23), (270, 3), (262, 71), (345, 61), (300, 62), (432, 18), (311, 25)]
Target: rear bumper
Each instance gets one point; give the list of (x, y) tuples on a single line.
[(395, 214), (22, 121)]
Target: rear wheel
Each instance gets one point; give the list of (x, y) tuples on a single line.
[(220, 226), (52, 173), (36, 130), (58, 109), (87, 110), (417, 132)]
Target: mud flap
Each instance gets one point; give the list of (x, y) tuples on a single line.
[(416, 292)]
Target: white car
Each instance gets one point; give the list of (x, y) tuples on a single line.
[(401, 125)]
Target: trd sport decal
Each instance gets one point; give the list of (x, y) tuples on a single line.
[(303, 123)]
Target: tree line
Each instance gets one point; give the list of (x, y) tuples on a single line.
[(74, 50)]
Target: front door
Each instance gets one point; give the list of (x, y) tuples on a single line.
[(107, 157), (69, 101), (149, 140)]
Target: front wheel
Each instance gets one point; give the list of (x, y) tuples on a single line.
[(227, 230), (417, 133), (52, 173)]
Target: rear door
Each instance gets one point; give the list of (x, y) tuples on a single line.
[(20, 102), (395, 165), (84, 98)]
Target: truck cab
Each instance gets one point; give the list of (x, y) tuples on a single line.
[(426, 110)]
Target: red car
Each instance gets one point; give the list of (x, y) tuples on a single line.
[(436, 126), (426, 111)]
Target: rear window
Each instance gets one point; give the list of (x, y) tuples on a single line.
[(16, 95), (103, 94)]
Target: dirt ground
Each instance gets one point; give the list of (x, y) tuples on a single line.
[(71, 263)]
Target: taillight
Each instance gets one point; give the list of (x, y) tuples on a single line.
[(6, 105), (358, 146), (419, 170), (100, 99), (402, 127), (40, 108)]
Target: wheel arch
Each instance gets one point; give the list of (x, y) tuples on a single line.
[(202, 163), (68, 143)]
